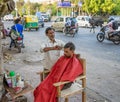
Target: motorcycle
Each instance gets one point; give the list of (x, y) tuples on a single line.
[(16, 40), (113, 36), (70, 30)]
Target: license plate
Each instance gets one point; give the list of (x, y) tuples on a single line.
[(20, 41)]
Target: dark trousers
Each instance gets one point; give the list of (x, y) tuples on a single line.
[(92, 28)]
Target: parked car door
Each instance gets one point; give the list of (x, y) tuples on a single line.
[(80, 21), (83, 21), (58, 24), (55, 24), (61, 24)]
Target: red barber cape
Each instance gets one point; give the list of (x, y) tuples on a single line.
[(65, 69)]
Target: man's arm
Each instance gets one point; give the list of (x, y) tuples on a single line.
[(52, 48)]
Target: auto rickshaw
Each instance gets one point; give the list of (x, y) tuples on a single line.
[(31, 22)]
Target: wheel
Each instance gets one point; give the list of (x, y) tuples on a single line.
[(28, 29), (76, 30), (63, 30), (42, 25), (73, 34), (117, 41), (37, 29), (19, 49), (100, 37)]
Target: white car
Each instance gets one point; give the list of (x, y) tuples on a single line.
[(83, 21), (8, 17), (46, 17)]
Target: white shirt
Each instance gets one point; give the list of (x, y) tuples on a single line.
[(50, 57)]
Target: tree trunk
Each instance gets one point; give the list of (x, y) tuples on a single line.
[(6, 6), (1, 67), (1, 55)]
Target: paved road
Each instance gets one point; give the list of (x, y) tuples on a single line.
[(103, 68)]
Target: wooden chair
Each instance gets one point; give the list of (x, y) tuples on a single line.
[(43, 74), (74, 89)]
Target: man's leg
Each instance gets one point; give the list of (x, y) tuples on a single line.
[(23, 46), (93, 29), (11, 43)]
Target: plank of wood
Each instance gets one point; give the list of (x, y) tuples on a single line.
[(75, 88), (28, 88)]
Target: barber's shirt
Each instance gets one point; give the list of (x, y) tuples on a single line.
[(50, 57)]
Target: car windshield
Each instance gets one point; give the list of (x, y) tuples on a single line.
[(45, 16), (117, 18), (87, 18)]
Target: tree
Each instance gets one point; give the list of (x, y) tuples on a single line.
[(54, 8), (107, 6), (116, 10), (85, 6), (93, 7), (6, 6), (35, 7), (20, 7)]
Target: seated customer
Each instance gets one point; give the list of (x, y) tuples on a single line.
[(67, 68)]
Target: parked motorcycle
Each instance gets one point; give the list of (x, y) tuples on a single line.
[(70, 30), (114, 36), (17, 41)]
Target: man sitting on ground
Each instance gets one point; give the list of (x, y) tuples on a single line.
[(67, 68)]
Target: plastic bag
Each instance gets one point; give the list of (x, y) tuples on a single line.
[(14, 34)]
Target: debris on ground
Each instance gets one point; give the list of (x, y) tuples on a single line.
[(7, 57)]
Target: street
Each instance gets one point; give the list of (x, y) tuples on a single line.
[(103, 60)]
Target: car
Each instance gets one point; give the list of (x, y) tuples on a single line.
[(59, 23), (46, 17), (8, 17), (41, 21), (83, 21)]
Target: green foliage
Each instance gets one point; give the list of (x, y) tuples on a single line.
[(116, 10), (54, 8), (91, 7), (98, 6), (107, 6), (20, 6)]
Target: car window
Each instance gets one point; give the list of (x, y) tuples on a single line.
[(78, 18), (87, 18), (61, 19), (57, 20), (74, 19), (83, 19), (67, 19)]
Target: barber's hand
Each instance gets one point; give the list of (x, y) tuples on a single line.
[(57, 47), (46, 49), (52, 48)]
